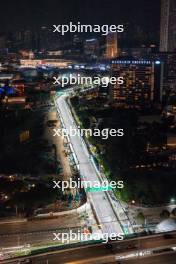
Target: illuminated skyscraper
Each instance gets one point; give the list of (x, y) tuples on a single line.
[(142, 85), (91, 47), (111, 46), (168, 26)]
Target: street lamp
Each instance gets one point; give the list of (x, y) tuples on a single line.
[(172, 200), (133, 202)]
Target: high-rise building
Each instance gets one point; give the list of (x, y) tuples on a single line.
[(112, 50), (169, 80), (142, 86), (169, 73), (168, 26), (91, 47)]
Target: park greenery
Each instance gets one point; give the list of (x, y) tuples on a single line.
[(127, 158)]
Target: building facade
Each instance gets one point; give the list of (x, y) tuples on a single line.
[(168, 26), (142, 86), (111, 46)]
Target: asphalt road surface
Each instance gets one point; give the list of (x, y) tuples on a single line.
[(95, 254), (36, 231), (169, 258)]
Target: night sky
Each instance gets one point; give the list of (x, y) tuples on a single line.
[(24, 14)]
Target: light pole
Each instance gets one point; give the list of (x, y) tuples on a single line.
[(172, 200)]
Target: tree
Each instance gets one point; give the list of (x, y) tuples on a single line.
[(173, 213), (164, 214), (141, 218)]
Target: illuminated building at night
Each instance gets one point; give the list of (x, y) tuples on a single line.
[(168, 26), (142, 85), (111, 46), (91, 47)]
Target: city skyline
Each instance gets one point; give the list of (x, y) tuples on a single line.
[(87, 131)]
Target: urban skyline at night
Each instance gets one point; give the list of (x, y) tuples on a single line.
[(88, 131)]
